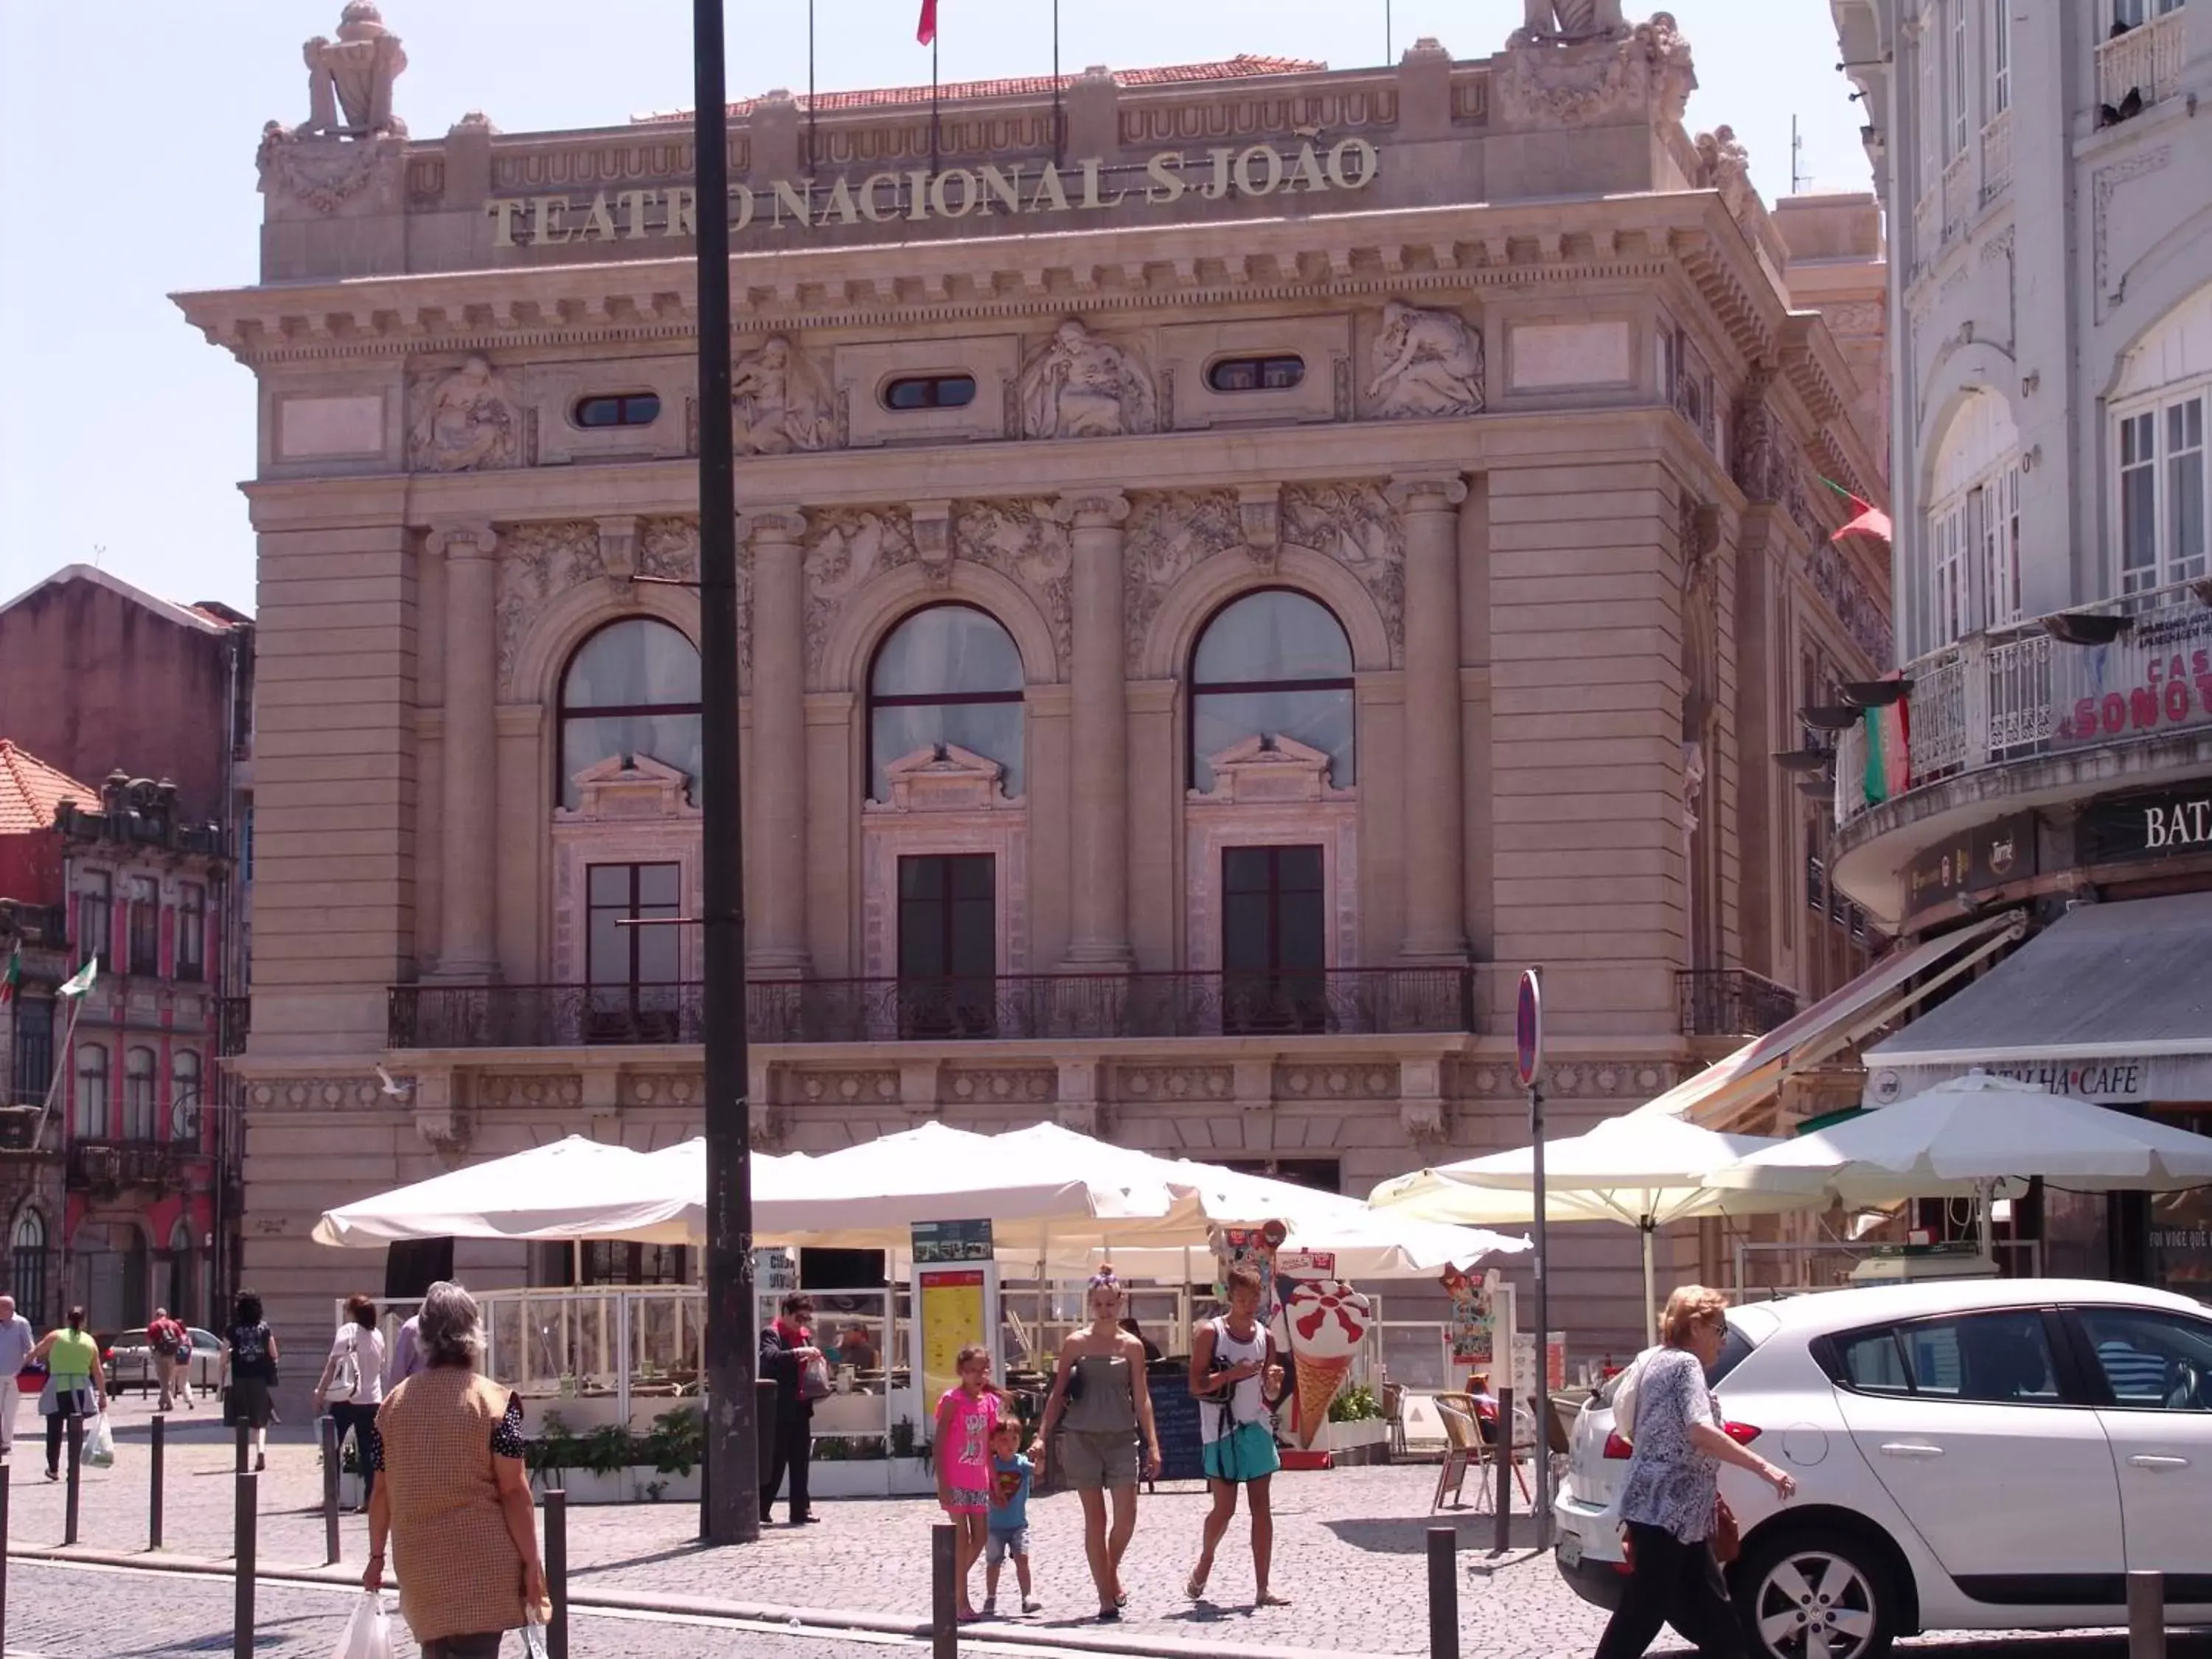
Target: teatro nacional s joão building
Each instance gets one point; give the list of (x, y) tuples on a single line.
[(1237, 561)]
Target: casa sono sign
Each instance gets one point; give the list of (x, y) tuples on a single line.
[(1016, 190)]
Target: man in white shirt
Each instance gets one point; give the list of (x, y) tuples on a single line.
[(16, 1341)]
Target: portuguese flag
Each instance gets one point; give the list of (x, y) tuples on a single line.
[(12, 976)]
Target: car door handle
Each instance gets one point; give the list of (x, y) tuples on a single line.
[(2156, 1461), (1910, 1448)]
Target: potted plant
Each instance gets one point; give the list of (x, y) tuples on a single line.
[(1357, 1432)]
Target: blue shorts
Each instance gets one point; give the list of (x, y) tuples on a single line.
[(1247, 1452), (997, 1545)]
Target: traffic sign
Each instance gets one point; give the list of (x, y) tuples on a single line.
[(1528, 1027)]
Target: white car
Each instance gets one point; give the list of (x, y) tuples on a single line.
[(1990, 1454)]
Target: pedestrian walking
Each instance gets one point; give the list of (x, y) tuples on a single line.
[(1670, 1501), (17, 1343), (352, 1386), (1101, 1406), (75, 1387), (249, 1372), (1238, 1381), (1008, 1524), (169, 1351), (454, 1503), (406, 1353), (966, 1415), (787, 1351)]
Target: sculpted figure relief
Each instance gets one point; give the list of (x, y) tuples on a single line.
[(1572, 19), (780, 402), (467, 423), (1079, 385), (352, 75), (1427, 362)]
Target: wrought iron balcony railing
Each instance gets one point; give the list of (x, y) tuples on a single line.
[(1731, 1002), (1358, 1001), (112, 1165)]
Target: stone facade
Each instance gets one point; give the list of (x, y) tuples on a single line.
[(1490, 360)]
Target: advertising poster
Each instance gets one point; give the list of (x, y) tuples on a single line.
[(1524, 1363), (1324, 1323), (949, 1306), (1473, 1332), (1256, 1246)]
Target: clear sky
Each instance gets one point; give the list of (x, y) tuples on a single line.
[(127, 136)]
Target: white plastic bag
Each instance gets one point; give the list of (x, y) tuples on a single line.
[(533, 1641), (99, 1444), (367, 1633)]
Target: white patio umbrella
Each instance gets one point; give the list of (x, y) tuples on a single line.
[(1968, 1137), (571, 1188), (1645, 1169)]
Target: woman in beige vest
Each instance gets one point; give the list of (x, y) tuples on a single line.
[(454, 1498)]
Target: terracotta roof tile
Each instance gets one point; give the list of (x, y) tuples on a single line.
[(30, 790), (1027, 86)]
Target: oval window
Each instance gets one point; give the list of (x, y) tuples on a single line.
[(619, 408), (1255, 374), (930, 392)]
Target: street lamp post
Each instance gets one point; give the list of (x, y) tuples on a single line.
[(731, 1501)]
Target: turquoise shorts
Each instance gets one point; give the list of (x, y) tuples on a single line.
[(1247, 1452)]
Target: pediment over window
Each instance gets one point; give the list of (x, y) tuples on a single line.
[(1269, 769), (945, 778), (629, 789)]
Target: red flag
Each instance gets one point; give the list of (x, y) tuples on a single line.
[(926, 32), (1871, 521)]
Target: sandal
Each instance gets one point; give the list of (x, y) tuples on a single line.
[(1269, 1598), (1195, 1587)]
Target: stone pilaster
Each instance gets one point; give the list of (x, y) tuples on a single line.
[(467, 941), (1098, 830), (1435, 801), (776, 940)]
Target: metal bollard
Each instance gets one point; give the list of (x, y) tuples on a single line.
[(75, 1478), (7, 1486), (328, 1427), (1503, 1444), (2146, 1615), (1444, 1593), (556, 1571), (944, 1607), (244, 1434), (154, 1481), (246, 1518)]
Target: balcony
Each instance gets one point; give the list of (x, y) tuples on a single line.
[(1731, 1002), (1960, 197), (19, 1128), (111, 1166), (1927, 230), (1341, 1002), (1997, 157), (2146, 60), (2016, 692), (235, 1024)]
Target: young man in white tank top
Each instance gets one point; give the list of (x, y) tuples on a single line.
[(1235, 1375)]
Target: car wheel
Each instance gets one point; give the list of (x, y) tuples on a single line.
[(1829, 1585)]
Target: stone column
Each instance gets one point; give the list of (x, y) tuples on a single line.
[(1098, 795), (775, 760), (1435, 798), (467, 945)]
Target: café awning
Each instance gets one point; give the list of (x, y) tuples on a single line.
[(2112, 1003), (1726, 1093)]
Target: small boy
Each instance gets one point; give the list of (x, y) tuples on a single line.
[(1009, 1520)]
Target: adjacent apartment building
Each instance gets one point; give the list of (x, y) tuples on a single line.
[(1237, 560), (120, 1153), (2051, 197)]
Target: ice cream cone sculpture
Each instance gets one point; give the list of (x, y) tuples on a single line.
[(1327, 1320)]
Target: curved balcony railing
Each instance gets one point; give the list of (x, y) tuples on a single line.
[(1354, 1001), (1731, 1002)]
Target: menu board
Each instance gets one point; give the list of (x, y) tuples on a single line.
[(1175, 1416), (949, 1304)]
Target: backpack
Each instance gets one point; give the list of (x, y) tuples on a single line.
[(345, 1375)]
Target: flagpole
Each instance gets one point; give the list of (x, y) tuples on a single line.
[(932, 100), (61, 1062), (810, 102), (1058, 140)]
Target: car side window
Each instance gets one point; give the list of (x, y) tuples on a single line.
[(2152, 1361), (1998, 1358)]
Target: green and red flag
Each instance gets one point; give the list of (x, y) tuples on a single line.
[(12, 976)]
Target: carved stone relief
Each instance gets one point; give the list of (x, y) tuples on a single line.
[(1026, 541), (1426, 363), (780, 401), (1724, 165), (465, 421), (539, 562), (1166, 536), (1025, 1085), (351, 147), (1355, 524), (352, 76), (1080, 385), (327, 175), (845, 546), (1552, 76), (1173, 1084)]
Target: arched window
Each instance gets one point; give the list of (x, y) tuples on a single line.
[(946, 675), (92, 1122), (138, 1110), (1973, 522), (631, 689), (28, 1267), (1272, 664), (185, 1095)]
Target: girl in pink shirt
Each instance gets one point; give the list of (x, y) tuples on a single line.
[(965, 1417)]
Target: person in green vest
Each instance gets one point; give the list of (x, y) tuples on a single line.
[(74, 1386)]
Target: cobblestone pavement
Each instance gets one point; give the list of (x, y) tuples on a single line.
[(1349, 1550)]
